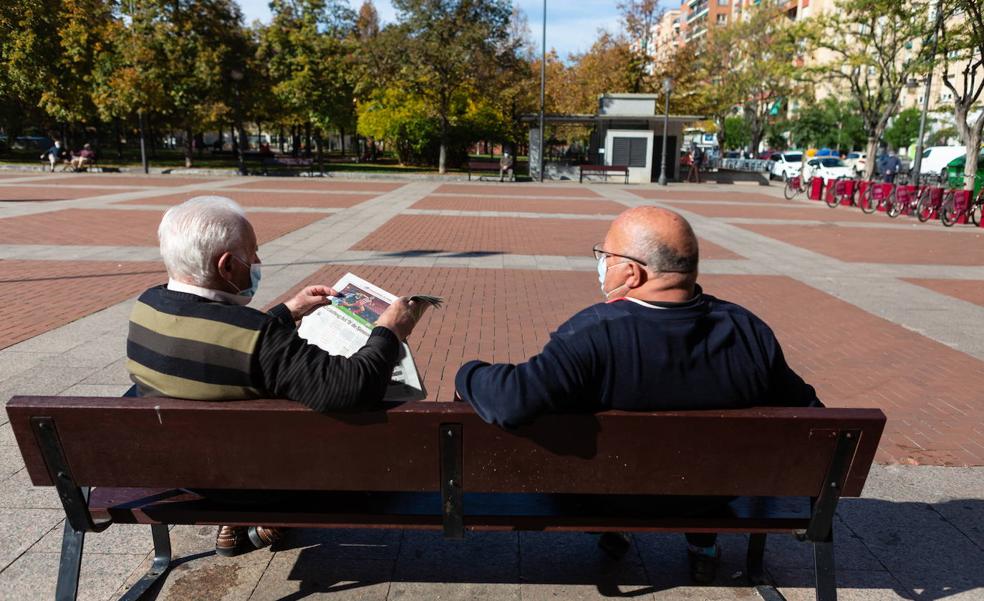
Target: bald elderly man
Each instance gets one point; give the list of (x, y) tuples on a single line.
[(195, 338), (658, 342)]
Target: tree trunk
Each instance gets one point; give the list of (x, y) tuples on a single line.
[(318, 144), (119, 139), (872, 150), (341, 137), (188, 148), (970, 135), (281, 139), (307, 140), (442, 155)]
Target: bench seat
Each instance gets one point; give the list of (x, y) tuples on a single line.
[(482, 512)]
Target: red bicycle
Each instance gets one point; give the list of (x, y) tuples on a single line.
[(795, 186), (873, 195), (957, 204)]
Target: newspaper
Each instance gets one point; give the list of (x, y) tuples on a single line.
[(343, 327)]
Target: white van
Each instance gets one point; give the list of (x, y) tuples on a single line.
[(936, 158)]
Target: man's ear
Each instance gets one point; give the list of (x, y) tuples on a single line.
[(637, 277), (225, 263)]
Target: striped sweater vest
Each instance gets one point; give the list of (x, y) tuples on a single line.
[(185, 346)]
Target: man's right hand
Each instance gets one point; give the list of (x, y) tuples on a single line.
[(401, 317)]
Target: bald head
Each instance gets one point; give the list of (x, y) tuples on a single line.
[(661, 238)]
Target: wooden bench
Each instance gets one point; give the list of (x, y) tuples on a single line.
[(487, 166), (300, 164), (439, 466), (605, 170)]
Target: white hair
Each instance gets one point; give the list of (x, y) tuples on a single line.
[(194, 233)]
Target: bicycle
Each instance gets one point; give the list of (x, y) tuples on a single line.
[(796, 186), (873, 196), (902, 200), (845, 188), (950, 213), (928, 202)]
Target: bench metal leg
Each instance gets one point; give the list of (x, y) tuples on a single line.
[(70, 564), (162, 563), (823, 562), (754, 559)]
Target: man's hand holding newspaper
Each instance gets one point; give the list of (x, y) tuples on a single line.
[(356, 306)]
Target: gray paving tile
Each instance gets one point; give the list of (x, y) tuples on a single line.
[(579, 592), (17, 492), (20, 529), (198, 573), (96, 390), (113, 374), (15, 362), (118, 539), (479, 558), (916, 544), (33, 576), (10, 461), (852, 585), (7, 435), (849, 551), (416, 591), (574, 558), (311, 574)]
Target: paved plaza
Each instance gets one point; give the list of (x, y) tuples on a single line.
[(873, 312)]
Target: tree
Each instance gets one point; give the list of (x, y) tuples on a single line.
[(828, 123), (444, 47), (306, 48), (870, 45), (639, 18), (904, 128), (960, 27), (736, 132)]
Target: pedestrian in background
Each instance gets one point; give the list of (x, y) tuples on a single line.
[(53, 154)]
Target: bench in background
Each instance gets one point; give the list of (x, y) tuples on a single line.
[(604, 170)]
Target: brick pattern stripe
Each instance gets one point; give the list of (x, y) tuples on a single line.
[(38, 296), (507, 204), (264, 199), (971, 291), (510, 190), (123, 228)]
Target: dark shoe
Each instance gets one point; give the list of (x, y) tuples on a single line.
[(703, 567), (230, 540), (615, 544), (263, 536)]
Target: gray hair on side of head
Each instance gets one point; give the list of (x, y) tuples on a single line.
[(194, 233), (663, 258)]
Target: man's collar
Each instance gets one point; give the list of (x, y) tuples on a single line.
[(214, 295), (694, 300)]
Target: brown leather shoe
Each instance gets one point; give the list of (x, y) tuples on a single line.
[(264, 536), (231, 540)]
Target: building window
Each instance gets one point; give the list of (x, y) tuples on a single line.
[(722, 19), (723, 2)]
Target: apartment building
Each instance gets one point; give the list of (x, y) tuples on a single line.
[(668, 35), (703, 15)]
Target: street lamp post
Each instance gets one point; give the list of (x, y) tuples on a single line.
[(237, 76), (143, 146), (667, 86), (917, 162), (543, 84)]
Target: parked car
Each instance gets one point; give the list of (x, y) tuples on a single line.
[(827, 168), (936, 158), (857, 161), (786, 164)]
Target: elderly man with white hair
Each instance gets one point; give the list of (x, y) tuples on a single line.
[(195, 338)]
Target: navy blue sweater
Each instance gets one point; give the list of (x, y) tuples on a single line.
[(702, 354)]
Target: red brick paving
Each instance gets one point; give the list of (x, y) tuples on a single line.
[(804, 212), (495, 315), (513, 235), (873, 245), (38, 296), (109, 179), (543, 205), (280, 183), (123, 228), (971, 291), (706, 195), (929, 391), (26, 193), (500, 190), (263, 199)]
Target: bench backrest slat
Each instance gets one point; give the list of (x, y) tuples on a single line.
[(269, 444)]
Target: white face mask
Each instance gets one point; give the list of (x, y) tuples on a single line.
[(602, 271), (254, 279)]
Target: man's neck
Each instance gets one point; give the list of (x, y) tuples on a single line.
[(655, 294)]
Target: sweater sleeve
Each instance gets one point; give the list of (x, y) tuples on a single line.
[(786, 387), (293, 369), (509, 395)]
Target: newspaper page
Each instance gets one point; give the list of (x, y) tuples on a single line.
[(343, 327)]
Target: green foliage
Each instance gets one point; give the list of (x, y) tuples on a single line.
[(904, 128), (736, 133), (830, 123)]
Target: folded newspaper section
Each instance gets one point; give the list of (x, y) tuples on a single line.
[(343, 327)]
